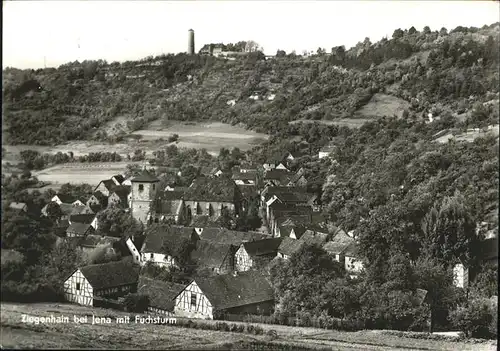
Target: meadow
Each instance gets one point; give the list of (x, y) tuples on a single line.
[(16, 334)]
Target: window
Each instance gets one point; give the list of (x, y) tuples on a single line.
[(141, 187), (154, 186), (151, 256), (193, 300), (77, 286)]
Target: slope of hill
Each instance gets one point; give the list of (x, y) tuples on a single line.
[(410, 75)]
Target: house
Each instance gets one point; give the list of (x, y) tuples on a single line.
[(107, 280), (118, 179), (105, 186), (344, 249), (288, 247), (209, 196), (298, 180), (277, 161), (66, 199), (119, 196), (214, 257), (326, 151), (277, 177), (163, 242), (292, 228), (211, 171), (18, 206), (280, 212), (201, 222), (212, 297), (97, 201), (244, 178), (76, 229), (92, 242), (256, 254), (84, 219), (270, 191), (136, 255), (233, 237), (161, 294)]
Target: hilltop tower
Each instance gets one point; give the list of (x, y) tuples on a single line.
[(190, 42), (144, 189)]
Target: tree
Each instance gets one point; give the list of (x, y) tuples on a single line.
[(449, 231), (252, 46), (398, 34), (54, 211), (114, 221), (280, 53)]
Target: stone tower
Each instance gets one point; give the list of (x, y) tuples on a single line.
[(144, 188), (190, 42)]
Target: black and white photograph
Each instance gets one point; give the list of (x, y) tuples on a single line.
[(250, 175)]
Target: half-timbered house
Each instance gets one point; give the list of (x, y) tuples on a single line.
[(107, 280), (256, 254), (215, 258), (212, 297), (161, 294)]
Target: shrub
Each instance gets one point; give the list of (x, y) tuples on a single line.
[(474, 319), (223, 326), (233, 327), (136, 302), (249, 328), (272, 333), (258, 330)]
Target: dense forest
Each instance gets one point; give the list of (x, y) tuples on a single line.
[(416, 206)]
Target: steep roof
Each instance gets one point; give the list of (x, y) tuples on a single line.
[(210, 254), (295, 197), (145, 177), (312, 237), (161, 293), (122, 191), (108, 184), (66, 199), (158, 235), (262, 247), (78, 228), (82, 218), (222, 235), (228, 291), (119, 178), (277, 174), (289, 246), (108, 275), (103, 199), (217, 189), (339, 243)]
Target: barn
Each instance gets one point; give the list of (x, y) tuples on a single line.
[(161, 294), (107, 280), (213, 297)]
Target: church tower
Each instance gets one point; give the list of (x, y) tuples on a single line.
[(144, 188)]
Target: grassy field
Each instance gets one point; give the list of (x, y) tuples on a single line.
[(383, 105), (347, 122), (18, 334), (77, 173), (210, 135)]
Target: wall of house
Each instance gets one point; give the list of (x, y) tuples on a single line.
[(157, 258), (136, 255), (242, 260), (78, 290), (102, 189), (323, 154), (116, 291), (193, 303), (142, 200)]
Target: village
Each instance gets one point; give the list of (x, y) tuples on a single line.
[(236, 279)]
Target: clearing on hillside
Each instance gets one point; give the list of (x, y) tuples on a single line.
[(383, 105)]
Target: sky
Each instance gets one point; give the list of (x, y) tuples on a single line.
[(49, 33)]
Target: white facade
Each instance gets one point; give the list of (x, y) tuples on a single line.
[(193, 303), (158, 259), (77, 289), (242, 260), (133, 250), (323, 154), (353, 264)]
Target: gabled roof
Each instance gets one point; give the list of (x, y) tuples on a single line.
[(289, 246), (18, 205), (297, 176), (205, 221), (339, 243), (108, 184), (295, 197), (158, 235), (217, 189), (222, 235), (210, 254), (66, 199), (296, 219), (145, 177), (82, 218), (103, 199), (274, 190), (277, 174), (228, 291), (122, 191), (119, 178), (262, 247), (161, 293), (312, 237), (92, 241), (79, 228), (108, 275)]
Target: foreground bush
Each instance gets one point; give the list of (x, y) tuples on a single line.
[(475, 319)]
